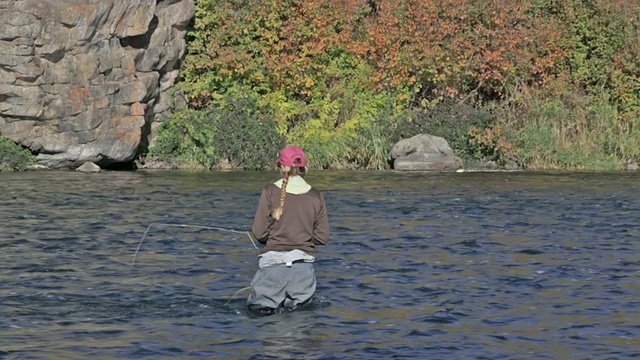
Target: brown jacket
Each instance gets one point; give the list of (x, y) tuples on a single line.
[(303, 224)]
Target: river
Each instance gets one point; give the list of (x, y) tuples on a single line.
[(522, 265)]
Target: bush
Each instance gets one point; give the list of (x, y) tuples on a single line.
[(449, 119), (238, 131), (574, 132), (185, 140), (348, 129), (246, 134), (13, 157)]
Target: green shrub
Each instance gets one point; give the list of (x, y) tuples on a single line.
[(348, 129), (247, 133), (13, 157), (574, 132), (238, 131), (186, 140), (449, 119)]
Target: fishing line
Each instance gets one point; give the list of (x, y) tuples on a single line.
[(237, 292), (133, 261)]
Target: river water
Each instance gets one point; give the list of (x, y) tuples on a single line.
[(420, 266)]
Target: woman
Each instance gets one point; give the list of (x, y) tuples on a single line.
[(291, 220)]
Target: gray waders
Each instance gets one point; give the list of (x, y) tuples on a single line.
[(282, 288)]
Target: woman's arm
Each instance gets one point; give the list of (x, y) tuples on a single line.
[(262, 219), (321, 234)]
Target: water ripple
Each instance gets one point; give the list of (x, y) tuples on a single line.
[(433, 266)]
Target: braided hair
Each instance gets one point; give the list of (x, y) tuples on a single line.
[(293, 171)]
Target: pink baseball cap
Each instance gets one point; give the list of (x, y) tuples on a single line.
[(292, 156)]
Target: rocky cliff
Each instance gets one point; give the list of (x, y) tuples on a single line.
[(85, 80)]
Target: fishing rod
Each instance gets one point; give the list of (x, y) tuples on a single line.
[(218, 228)]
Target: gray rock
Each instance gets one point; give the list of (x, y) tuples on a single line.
[(424, 152), (79, 79), (89, 167), (40, 167), (490, 165)]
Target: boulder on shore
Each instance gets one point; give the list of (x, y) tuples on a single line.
[(424, 152), (89, 167)]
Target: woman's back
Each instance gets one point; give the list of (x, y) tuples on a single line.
[(302, 225)]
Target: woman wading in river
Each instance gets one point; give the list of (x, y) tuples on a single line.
[(291, 219)]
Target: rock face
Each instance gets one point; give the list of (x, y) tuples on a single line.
[(84, 80), (424, 152)]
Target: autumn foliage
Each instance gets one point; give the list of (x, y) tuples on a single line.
[(314, 57)]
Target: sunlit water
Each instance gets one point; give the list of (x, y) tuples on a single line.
[(421, 266)]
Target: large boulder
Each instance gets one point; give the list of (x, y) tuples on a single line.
[(83, 80), (424, 152)]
